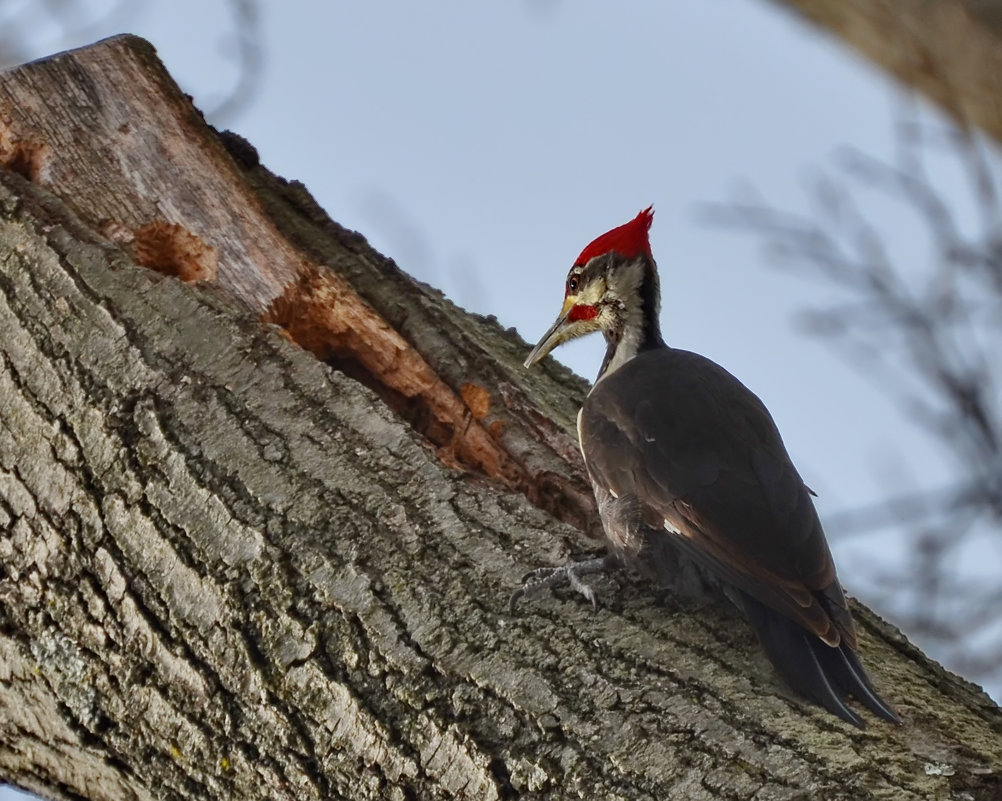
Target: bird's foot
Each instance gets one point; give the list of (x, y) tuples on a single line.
[(543, 578)]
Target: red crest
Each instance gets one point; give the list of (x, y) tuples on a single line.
[(628, 240)]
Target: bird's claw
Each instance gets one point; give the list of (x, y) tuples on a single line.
[(543, 578)]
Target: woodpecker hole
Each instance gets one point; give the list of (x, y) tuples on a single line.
[(314, 315), (413, 410), (323, 315), (173, 250), (29, 158)]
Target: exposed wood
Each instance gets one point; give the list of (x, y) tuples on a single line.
[(949, 50), (230, 571)]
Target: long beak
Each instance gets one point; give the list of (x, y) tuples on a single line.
[(551, 338)]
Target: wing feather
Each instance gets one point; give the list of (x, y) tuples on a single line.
[(701, 452)]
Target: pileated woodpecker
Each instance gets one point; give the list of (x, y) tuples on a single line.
[(694, 486)]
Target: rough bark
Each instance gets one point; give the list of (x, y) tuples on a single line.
[(230, 569), (949, 50)]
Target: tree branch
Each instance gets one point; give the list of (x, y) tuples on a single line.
[(949, 50), (229, 570)]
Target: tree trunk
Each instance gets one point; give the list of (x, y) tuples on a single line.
[(231, 569), (949, 50)]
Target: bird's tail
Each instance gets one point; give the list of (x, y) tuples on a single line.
[(816, 670)]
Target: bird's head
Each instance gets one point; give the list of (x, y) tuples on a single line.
[(609, 288)]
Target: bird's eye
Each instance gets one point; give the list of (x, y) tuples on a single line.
[(572, 284)]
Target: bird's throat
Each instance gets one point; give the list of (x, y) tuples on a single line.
[(637, 328)]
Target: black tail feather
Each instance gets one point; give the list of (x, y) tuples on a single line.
[(861, 688), (819, 672)]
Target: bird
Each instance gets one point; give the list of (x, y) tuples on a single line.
[(695, 489)]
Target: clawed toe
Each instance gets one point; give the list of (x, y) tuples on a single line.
[(539, 574), (547, 577)]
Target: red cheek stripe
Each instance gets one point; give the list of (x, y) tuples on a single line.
[(582, 312)]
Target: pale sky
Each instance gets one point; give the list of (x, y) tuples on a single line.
[(482, 145)]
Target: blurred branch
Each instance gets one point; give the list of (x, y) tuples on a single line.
[(249, 57), (911, 509), (30, 29), (927, 331)]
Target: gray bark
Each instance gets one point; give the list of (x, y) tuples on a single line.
[(228, 570)]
